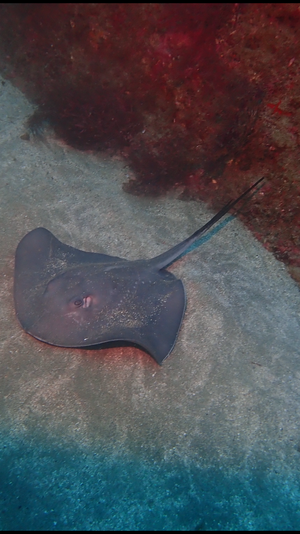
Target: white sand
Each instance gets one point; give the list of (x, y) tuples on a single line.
[(228, 395)]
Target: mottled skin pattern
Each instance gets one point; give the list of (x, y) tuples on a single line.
[(71, 298)]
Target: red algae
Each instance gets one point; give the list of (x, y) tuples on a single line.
[(142, 78), (199, 97)]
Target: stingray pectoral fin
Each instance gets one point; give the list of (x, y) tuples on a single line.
[(159, 336), (40, 257)]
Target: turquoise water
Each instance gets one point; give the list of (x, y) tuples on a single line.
[(50, 487), (108, 439)]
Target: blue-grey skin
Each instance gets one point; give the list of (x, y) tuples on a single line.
[(71, 298)]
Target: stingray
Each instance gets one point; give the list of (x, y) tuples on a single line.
[(71, 298)]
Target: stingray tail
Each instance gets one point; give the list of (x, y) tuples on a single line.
[(165, 259)]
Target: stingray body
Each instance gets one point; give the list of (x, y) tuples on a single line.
[(71, 298)]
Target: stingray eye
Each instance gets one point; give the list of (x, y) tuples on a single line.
[(78, 303)]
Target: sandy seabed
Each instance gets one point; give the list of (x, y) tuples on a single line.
[(107, 439)]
